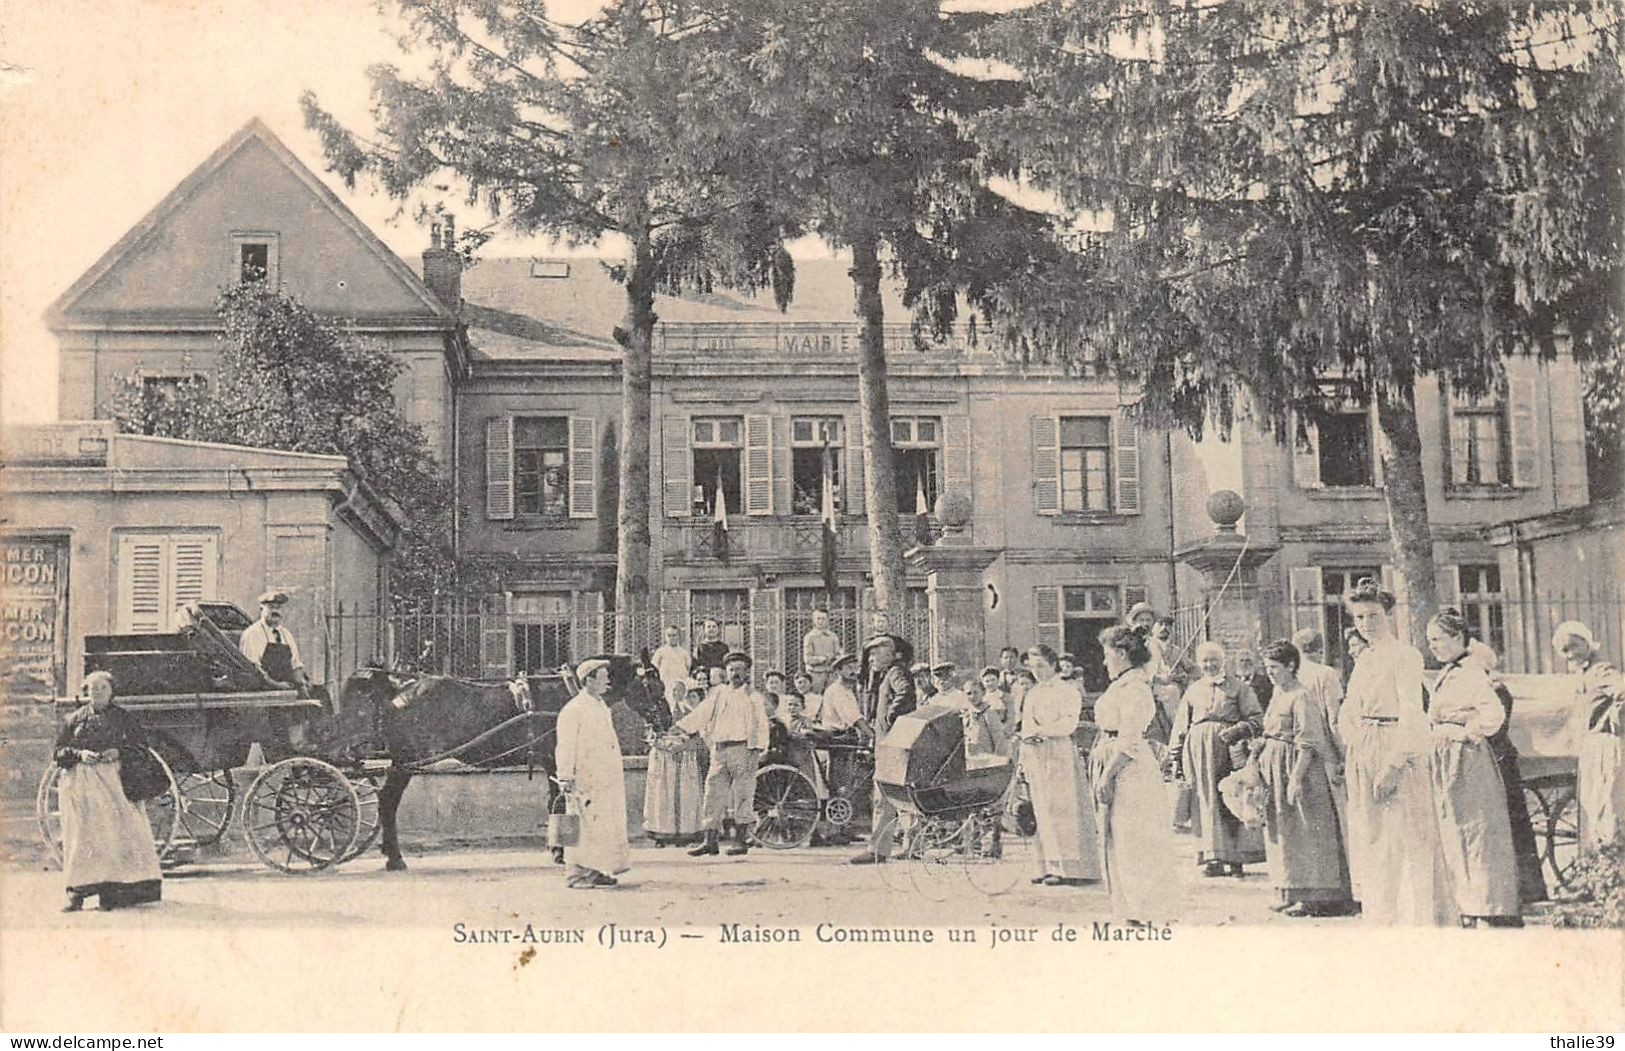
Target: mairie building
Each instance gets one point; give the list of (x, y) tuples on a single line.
[(1061, 513)]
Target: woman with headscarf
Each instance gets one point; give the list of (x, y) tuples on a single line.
[(1600, 697), (1063, 802), (1394, 856), (1475, 831), (1299, 762), (107, 850), (1136, 844), (673, 786), (1216, 717)]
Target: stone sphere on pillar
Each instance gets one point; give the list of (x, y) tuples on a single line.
[(954, 510), (1225, 507)]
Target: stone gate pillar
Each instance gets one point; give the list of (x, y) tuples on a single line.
[(1229, 565), (954, 588)]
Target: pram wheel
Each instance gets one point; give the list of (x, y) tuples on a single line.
[(997, 850)]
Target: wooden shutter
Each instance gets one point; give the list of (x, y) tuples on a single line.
[(758, 465), (1565, 399), (1523, 424), (1126, 437), (853, 475), (1379, 442), (1447, 581), (1305, 455), (678, 464), (588, 637), (1046, 465), (583, 467), (1047, 616), (764, 630), (496, 638), (499, 468), (193, 567), (956, 472), (784, 496), (1308, 598), (141, 585)]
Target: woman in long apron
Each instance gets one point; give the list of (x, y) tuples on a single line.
[(672, 790), (1136, 840), (1216, 717), (1600, 711), (1063, 802), (1475, 831), (1394, 855), (107, 850), (1303, 837)]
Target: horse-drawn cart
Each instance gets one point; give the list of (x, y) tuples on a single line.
[(204, 707)]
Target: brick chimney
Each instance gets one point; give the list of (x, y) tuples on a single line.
[(443, 267)]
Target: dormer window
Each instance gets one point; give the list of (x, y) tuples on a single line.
[(254, 258)]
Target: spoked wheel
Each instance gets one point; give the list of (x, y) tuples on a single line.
[(934, 856), (366, 793), (1554, 810), (998, 851), (206, 801), (301, 815), (159, 811), (786, 808), (207, 797)]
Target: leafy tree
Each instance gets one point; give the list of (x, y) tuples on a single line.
[(623, 124), (872, 103), (286, 378), (1318, 190)]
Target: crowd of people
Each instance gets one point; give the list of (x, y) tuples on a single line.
[(1385, 796), (1388, 795)]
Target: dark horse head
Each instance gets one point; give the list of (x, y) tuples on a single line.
[(416, 721)]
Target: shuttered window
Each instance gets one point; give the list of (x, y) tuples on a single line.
[(159, 573), (540, 467)]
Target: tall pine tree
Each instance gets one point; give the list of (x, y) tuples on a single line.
[(1324, 190), (623, 124)]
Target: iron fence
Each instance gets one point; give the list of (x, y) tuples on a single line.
[(495, 643)]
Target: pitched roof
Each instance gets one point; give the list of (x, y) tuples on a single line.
[(523, 308), (64, 312)]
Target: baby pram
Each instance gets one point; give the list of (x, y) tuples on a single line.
[(955, 810)]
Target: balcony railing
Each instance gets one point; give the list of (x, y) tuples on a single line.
[(784, 537)]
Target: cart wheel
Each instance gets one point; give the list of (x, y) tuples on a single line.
[(207, 797), (935, 856), (366, 793), (301, 815), (786, 808), (999, 852), (1554, 810), (159, 811)]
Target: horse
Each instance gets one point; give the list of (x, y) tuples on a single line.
[(424, 719)]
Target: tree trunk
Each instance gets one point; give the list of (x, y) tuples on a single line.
[(879, 477), (632, 521), (1406, 492)]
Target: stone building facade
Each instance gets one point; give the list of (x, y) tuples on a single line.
[(1075, 512)]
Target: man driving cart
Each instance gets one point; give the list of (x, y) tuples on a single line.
[(271, 646)]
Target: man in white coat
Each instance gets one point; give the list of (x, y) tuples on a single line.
[(590, 774)]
